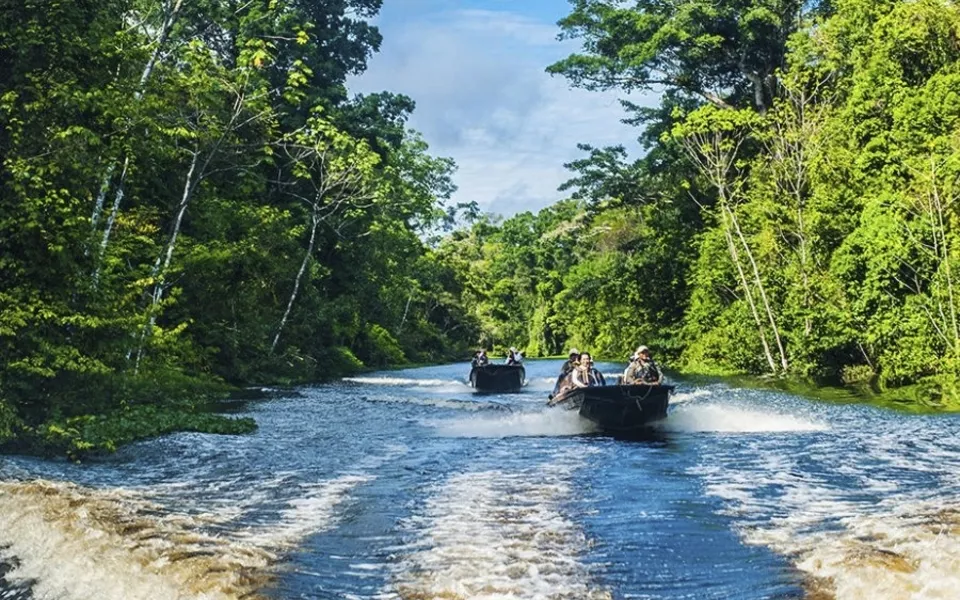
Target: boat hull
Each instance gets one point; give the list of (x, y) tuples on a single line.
[(618, 408), (497, 378)]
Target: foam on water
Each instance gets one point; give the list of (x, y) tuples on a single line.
[(729, 419), (312, 511), (690, 396), (549, 422), (409, 382), (541, 384), (68, 542), (470, 405), (489, 535), (74, 543), (859, 511), (913, 552)]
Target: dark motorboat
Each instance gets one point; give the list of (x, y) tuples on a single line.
[(497, 378), (617, 408)]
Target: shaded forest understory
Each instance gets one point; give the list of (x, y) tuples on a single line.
[(190, 199)]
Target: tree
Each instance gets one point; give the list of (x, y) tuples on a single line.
[(726, 54)]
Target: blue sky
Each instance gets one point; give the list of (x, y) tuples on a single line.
[(476, 70)]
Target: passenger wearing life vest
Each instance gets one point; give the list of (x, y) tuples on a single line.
[(642, 369), (514, 358), (585, 375)]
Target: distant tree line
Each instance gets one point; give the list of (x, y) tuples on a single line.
[(795, 212)]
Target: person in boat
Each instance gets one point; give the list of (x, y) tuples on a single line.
[(480, 359), (563, 380), (572, 361), (585, 375), (514, 358), (642, 369)]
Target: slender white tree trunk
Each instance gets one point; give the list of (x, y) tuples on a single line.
[(314, 222), (763, 294), (735, 256), (406, 311), (163, 261), (114, 210), (941, 225), (170, 17), (102, 195)]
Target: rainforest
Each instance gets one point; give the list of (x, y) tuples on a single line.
[(192, 201)]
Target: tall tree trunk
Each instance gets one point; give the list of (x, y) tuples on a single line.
[(763, 294), (759, 91), (105, 240), (314, 222), (163, 261), (170, 17), (406, 310), (735, 256), (944, 248), (102, 196)]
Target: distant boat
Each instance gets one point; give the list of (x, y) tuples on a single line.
[(497, 378), (617, 408)]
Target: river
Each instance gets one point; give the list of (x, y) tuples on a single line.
[(405, 485)]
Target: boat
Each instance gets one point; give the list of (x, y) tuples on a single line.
[(617, 408), (497, 378)]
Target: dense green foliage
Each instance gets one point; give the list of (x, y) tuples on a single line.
[(188, 195), (795, 212), (190, 199)]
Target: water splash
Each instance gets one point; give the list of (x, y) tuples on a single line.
[(690, 396), (75, 543), (408, 382), (728, 419), (493, 535), (913, 552), (451, 403), (550, 422)]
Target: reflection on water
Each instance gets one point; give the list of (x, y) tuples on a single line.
[(405, 485)]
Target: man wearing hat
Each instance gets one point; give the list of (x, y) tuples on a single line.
[(571, 363), (514, 358), (642, 369)]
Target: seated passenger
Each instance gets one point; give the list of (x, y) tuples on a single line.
[(642, 369), (480, 359), (571, 363), (585, 375), (514, 357)]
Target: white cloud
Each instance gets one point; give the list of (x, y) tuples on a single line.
[(484, 99)]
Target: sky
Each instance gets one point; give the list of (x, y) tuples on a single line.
[(476, 71)]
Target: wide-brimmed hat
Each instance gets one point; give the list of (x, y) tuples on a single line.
[(642, 349), (573, 351)]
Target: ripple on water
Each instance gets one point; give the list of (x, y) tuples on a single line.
[(866, 508), (496, 534), (69, 542), (913, 552), (488, 504), (545, 422)]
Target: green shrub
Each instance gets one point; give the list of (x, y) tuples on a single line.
[(382, 349)]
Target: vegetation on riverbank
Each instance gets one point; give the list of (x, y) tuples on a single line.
[(191, 199), (188, 195), (795, 213)]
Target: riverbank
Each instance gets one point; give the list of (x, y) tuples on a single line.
[(140, 409), (198, 405)]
